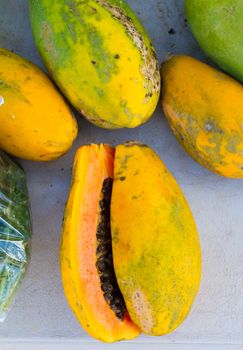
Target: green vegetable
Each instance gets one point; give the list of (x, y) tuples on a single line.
[(15, 229), (218, 27)]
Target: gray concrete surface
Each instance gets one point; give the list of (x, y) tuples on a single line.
[(41, 314)]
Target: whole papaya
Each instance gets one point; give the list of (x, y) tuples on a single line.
[(35, 121), (100, 56), (204, 108), (218, 27)]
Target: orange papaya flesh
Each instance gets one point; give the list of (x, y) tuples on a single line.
[(86, 252)]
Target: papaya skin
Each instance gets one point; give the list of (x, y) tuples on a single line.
[(100, 56), (92, 165), (217, 26), (36, 123), (204, 108), (156, 248)]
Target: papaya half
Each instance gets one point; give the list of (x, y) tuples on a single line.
[(130, 252), (36, 123), (86, 253), (204, 108), (100, 56), (218, 27)]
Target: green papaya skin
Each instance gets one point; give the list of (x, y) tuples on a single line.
[(218, 27)]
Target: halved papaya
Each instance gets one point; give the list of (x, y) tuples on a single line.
[(86, 253), (130, 249)]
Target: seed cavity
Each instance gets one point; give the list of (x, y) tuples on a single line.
[(104, 264)]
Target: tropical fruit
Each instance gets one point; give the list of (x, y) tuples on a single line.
[(156, 250), (101, 57), (217, 25), (86, 254), (130, 252), (15, 230), (36, 123), (204, 108)]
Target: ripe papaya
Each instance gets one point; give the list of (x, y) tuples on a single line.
[(156, 249), (217, 25), (204, 108), (86, 254), (130, 253), (36, 123), (100, 56)]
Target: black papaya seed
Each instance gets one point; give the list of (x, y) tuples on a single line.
[(101, 266), (108, 296)]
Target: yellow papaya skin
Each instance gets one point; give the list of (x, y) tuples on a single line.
[(101, 57), (36, 123), (156, 248), (204, 108)]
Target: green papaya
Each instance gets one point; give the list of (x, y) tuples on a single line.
[(218, 27), (15, 230)]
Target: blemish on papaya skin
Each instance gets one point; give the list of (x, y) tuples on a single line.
[(132, 143), (230, 11), (233, 144), (143, 310), (46, 34), (149, 68), (123, 162), (122, 178)]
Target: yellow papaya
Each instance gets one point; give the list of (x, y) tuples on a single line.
[(101, 57), (36, 123), (204, 108), (155, 244), (130, 254)]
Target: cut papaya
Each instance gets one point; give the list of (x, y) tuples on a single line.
[(156, 248), (86, 252), (128, 233)]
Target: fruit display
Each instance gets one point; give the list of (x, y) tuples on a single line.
[(101, 57), (130, 252), (15, 230), (36, 123), (217, 25), (204, 108)]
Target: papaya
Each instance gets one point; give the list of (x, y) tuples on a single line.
[(130, 253), (86, 253), (217, 26), (204, 108), (101, 57), (156, 248), (36, 122)]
